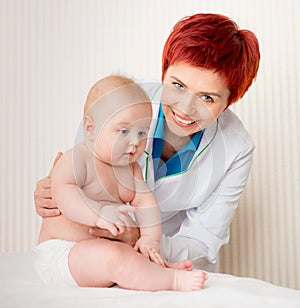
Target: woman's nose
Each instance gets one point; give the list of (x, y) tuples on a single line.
[(188, 104)]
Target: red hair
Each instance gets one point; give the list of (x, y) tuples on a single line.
[(215, 42)]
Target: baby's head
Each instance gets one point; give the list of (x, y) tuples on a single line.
[(117, 117)]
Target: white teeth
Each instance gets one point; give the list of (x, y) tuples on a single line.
[(183, 121)]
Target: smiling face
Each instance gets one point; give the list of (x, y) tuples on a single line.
[(192, 98)]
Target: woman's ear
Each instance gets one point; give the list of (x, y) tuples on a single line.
[(89, 127)]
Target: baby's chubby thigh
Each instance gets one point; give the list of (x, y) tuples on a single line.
[(96, 262)]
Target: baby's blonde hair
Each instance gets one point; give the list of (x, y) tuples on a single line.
[(106, 85)]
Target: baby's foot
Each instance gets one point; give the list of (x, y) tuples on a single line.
[(189, 281), (181, 265)]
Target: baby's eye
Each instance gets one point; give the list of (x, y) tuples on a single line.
[(124, 131), (207, 98), (142, 134)]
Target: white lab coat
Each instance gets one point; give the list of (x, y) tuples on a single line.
[(197, 206)]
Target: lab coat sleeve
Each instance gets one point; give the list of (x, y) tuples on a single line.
[(206, 228)]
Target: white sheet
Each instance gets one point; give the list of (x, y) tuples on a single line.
[(20, 287)]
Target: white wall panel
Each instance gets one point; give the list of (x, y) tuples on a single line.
[(52, 51)]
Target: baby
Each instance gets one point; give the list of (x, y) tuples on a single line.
[(97, 183)]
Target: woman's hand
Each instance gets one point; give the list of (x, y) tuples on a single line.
[(44, 205), (130, 236)]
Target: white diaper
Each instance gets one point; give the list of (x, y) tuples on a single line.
[(52, 263)]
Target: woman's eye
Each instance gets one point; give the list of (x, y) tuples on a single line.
[(178, 86), (207, 98), (124, 131)]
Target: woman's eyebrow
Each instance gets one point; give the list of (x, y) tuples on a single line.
[(178, 80)]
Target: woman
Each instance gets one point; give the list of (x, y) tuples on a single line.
[(198, 156)]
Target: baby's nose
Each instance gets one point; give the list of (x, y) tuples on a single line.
[(134, 139)]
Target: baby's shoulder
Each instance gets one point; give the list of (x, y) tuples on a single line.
[(79, 157), (80, 152)]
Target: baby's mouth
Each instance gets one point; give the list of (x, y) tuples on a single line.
[(131, 153)]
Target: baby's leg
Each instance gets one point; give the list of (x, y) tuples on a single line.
[(88, 262), (101, 263)]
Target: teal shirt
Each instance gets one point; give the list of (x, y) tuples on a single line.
[(180, 161)]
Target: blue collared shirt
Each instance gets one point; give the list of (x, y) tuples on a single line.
[(180, 161)]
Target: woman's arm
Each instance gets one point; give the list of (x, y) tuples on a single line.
[(205, 229)]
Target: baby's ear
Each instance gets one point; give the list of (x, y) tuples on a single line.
[(89, 126)]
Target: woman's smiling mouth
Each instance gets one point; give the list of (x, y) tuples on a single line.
[(182, 121)]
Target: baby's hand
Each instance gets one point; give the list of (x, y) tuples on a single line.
[(150, 249), (115, 218)]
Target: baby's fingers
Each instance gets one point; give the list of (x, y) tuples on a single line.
[(112, 229), (156, 258), (125, 209), (120, 227), (145, 252), (126, 221), (108, 226)]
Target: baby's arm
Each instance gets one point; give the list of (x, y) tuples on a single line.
[(68, 177), (147, 214), (66, 191)]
